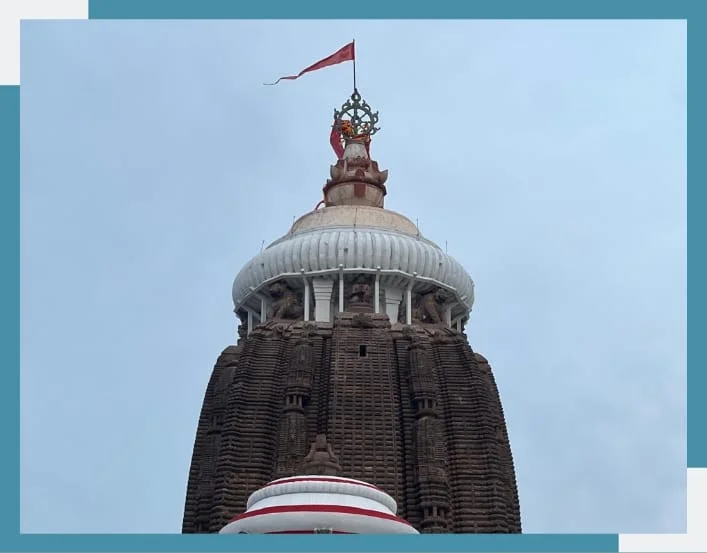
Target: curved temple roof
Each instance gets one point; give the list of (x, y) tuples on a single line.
[(355, 239)]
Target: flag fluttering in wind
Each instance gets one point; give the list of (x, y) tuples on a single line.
[(346, 53)]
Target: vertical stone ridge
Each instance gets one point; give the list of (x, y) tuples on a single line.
[(245, 462), (200, 487), (432, 476), (322, 383), (508, 503), (292, 440), (409, 504), (472, 409)]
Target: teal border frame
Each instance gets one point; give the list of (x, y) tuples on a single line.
[(11, 540)]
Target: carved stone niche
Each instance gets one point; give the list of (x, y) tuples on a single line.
[(286, 303), (359, 299)]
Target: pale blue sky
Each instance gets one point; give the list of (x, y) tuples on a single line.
[(549, 156)]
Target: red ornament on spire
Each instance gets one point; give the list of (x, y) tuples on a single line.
[(335, 139)]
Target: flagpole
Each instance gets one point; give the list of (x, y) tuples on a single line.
[(354, 63)]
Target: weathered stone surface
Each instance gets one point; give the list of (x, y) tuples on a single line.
[(414, 411), (286, 304)]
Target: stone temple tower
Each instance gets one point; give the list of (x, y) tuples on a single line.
[(352, 370)]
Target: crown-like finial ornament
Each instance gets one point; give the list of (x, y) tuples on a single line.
[(355, 123), (357, 118)]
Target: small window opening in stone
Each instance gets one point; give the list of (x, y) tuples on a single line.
[(362, 350)]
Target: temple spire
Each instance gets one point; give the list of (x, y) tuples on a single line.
[(355, 178)]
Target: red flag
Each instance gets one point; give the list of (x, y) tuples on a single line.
[(345, 53), (335, 139)]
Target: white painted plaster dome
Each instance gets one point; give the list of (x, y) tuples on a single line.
[(303, 504), (355, 239)]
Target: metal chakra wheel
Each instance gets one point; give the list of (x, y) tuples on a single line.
[(361, 116)]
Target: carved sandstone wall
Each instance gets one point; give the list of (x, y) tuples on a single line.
[(411, 409)]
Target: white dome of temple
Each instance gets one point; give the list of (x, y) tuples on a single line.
[(319, 504), (356, 239), (354, 243)]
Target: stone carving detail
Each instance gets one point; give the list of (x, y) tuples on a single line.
[(286, 304), (359, 298), (410, 333), (357, 169), (429, 307), (321, 459), (419, 417), (431, 449), (362, 320), (300, 373), (444, 336), (308, 330), (292, 430), (242, 327)]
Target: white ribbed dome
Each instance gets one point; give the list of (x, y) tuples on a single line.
[(349, 237), (312, 503)]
